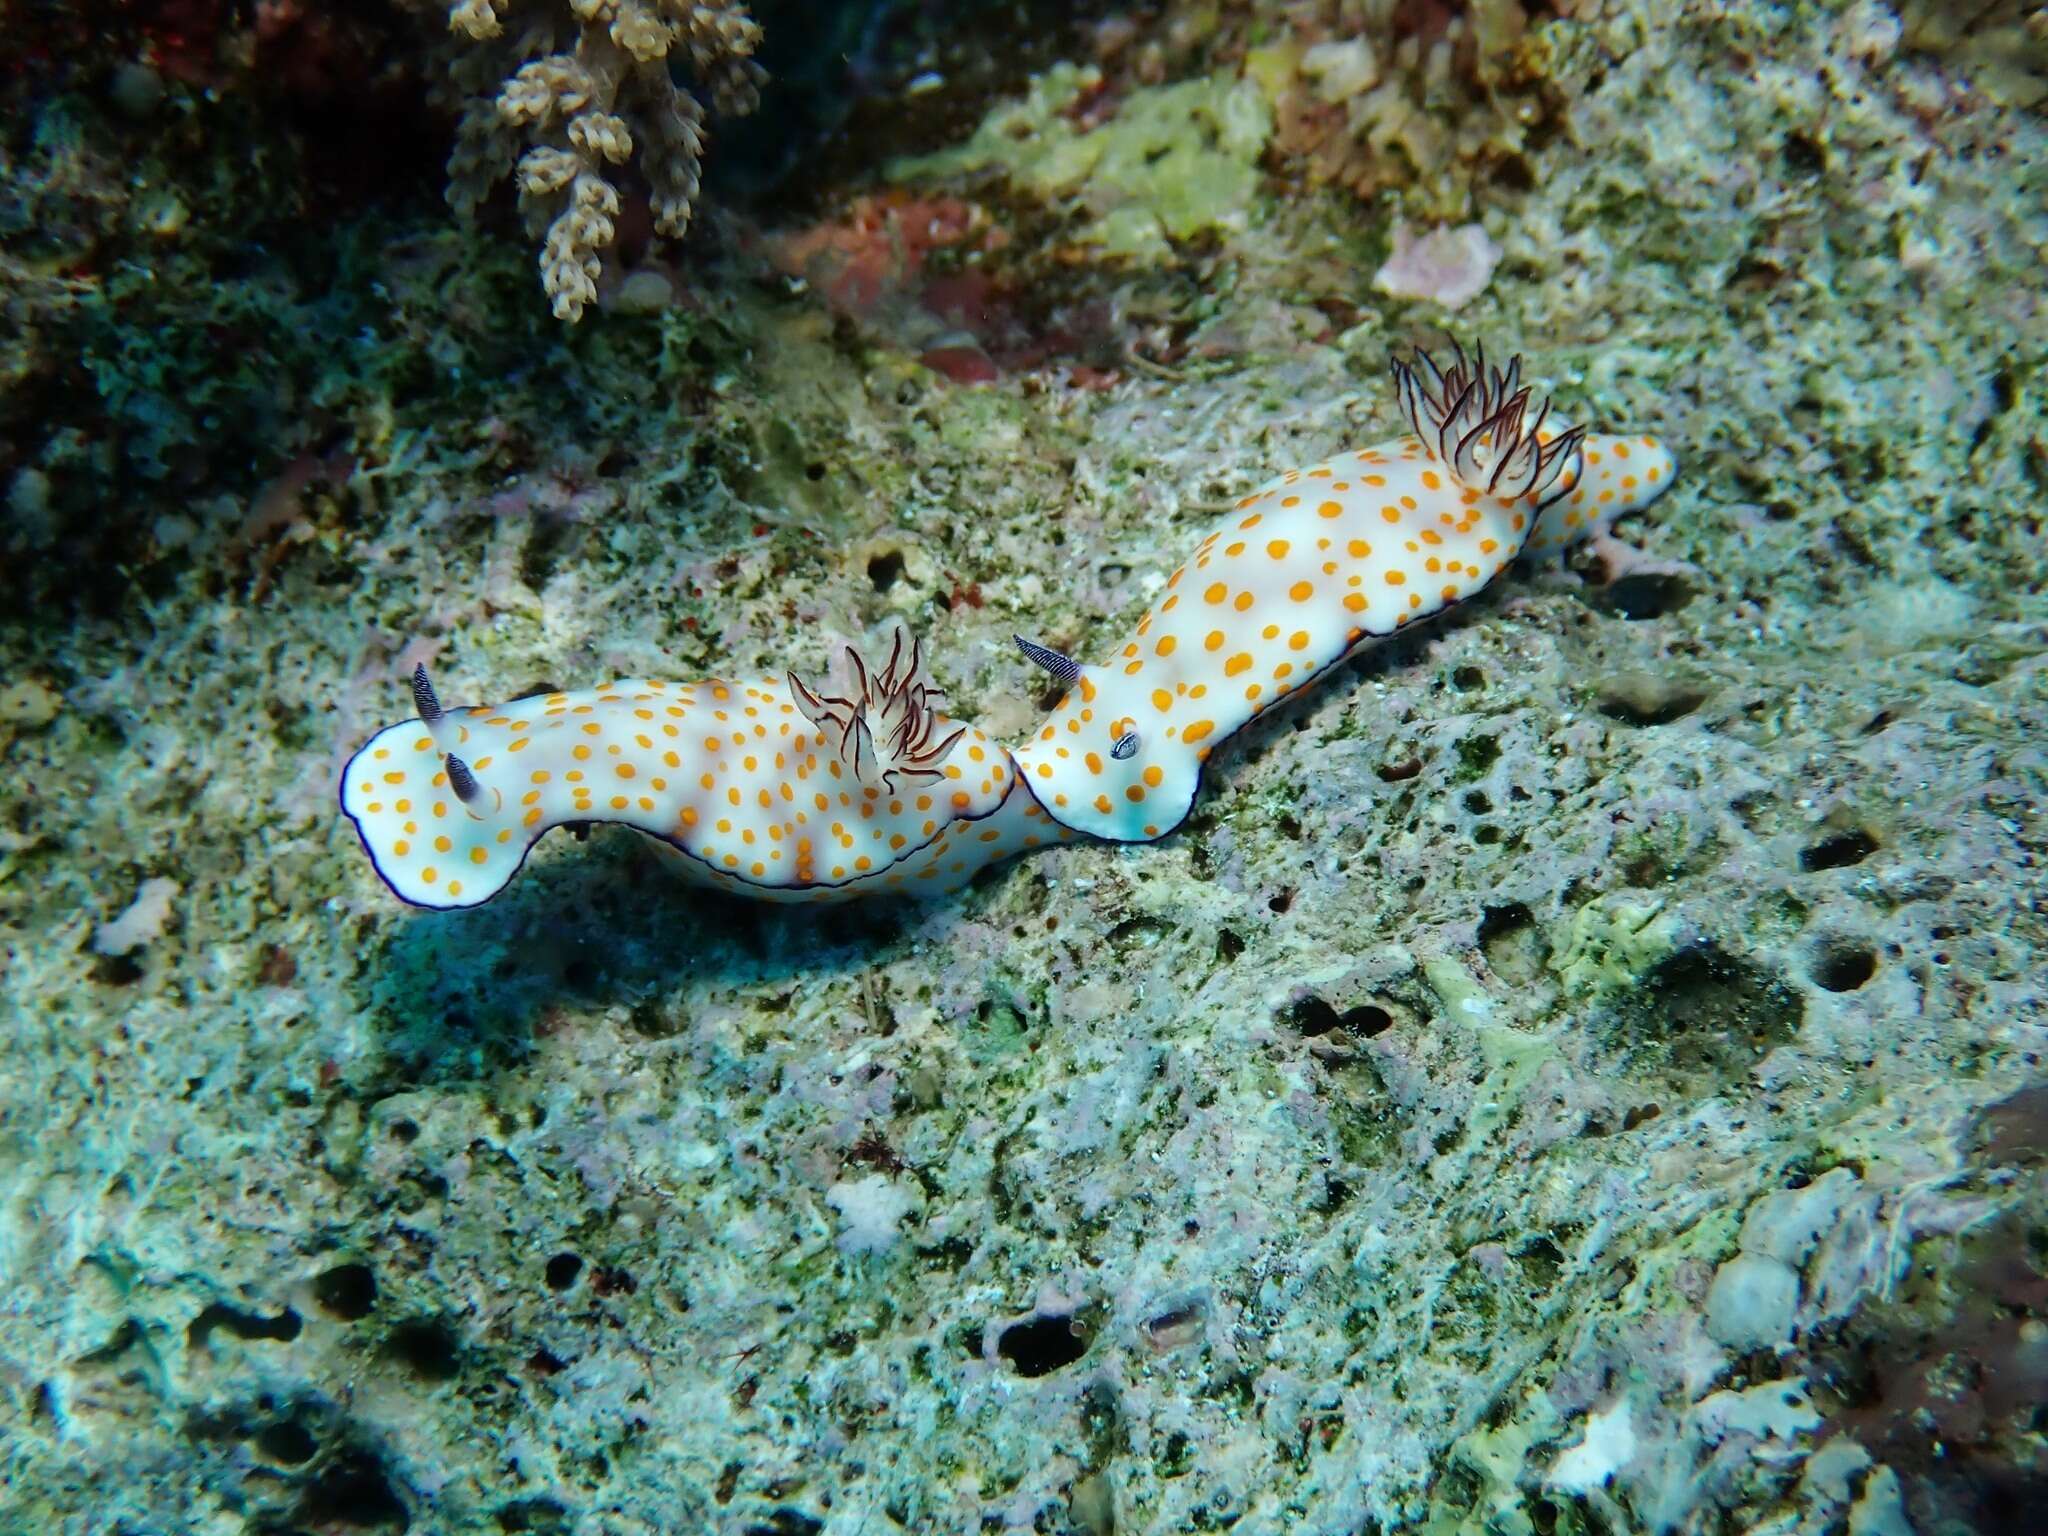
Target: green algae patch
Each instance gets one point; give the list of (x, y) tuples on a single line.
[(1613, 942), (1173, 162), (1513, 1060), (1512, 1057)]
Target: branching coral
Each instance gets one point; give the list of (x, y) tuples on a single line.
[(559, 97)]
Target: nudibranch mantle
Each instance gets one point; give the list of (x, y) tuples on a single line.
[(784, 792)]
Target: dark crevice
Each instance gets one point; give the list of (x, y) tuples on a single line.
[(1043, 1345), (281, 1329), (1839, 850)]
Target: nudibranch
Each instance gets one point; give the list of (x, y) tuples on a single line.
[(783, 791), (1317, 563), (771, 787)]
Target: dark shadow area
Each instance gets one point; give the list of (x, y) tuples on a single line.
[(590, 927)]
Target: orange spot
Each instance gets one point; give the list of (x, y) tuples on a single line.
[(1431, 479), (1330, 509), (1243, 603), (1354, 602), (1301, 591), (1165, 645), (1391, 514), (1200, 729), (1298, 641), (1395, 578), (1215, 592), (1278, 549), (1214, 641), (1241, 662)]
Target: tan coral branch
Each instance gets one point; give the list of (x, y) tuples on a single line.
[(559, 93)]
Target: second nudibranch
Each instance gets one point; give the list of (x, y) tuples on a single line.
[(1315, 565)]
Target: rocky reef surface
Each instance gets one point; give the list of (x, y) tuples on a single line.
[(1579, 1070)]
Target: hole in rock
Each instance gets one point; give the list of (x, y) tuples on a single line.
[(355, 1493), (1043, 1345), (347, 1291), (289, 1443), (1839, 850), (562, 1271), (1844, 966), (427, 1348)]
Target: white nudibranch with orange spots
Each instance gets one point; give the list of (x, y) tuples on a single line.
[(1316, 564), (773, 787), (779, 790)]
